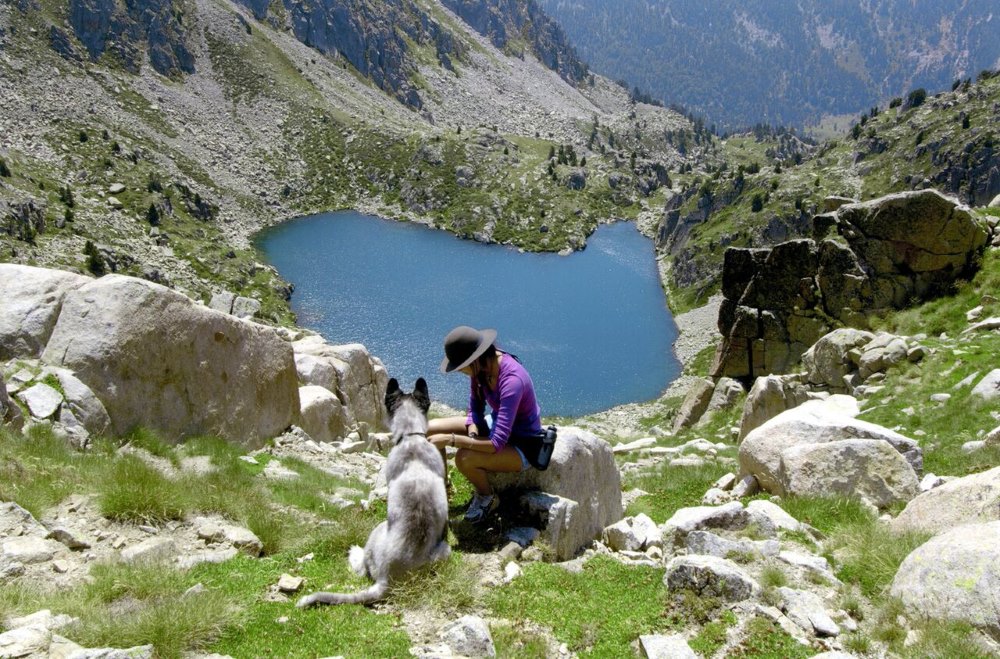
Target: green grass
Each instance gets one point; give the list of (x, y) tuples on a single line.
[(765, 640), (598, 613), (672, 488), (513, 642), (712, 635), (136, 492), (128, 605)]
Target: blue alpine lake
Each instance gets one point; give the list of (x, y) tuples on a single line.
[(592, 328)]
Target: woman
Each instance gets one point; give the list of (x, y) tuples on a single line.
[(499, 379)]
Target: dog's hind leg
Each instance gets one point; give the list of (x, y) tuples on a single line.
[(441, 551)]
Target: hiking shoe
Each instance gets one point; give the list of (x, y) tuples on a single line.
[(481, 507)]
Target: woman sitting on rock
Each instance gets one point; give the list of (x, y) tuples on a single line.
[(497, 378)]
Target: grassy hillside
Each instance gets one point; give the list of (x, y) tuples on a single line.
[(756, 194)]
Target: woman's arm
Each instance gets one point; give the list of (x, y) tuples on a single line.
[(511, 389), (463, 441)]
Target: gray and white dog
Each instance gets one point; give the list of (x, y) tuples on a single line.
[(415, 531)]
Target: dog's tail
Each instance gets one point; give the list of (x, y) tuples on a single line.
[(370, 595)]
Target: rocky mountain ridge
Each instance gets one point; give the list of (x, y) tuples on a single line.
[(791, 64), (92, 147)]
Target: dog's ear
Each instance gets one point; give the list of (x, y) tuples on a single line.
[(421, 395), (392, 395)]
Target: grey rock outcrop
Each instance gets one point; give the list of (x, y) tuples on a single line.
[(469, 636), (867, 468), (710, 576), (764, 451), (988, 389), (30, 301), (575, 498), (955, 576), (350, 372), (966, 500), (156, 359), (879, 254)]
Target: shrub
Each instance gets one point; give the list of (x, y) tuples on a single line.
[(83, 137), (916, 98), (757, 203), (895, 102), (4, 170), (153, 215)]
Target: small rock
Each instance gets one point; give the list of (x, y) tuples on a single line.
[(940, 398), (511, 571), (806, 610), (716, 497), (510, 552), (930, 481), (43, 619), (747, 487), (972, 447), (151, 530), (188, 561), (68, 538), (194, 590), (25, 641), (28, 550), (60, 567), (249, 459), (276, 471), (666, 647), (116, 188), (725, 483), (469, 636), (289, 584), (808, 561), (153, 549), (304, 559), (42, 400)]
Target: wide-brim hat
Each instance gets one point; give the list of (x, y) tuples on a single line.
[(464, 345)]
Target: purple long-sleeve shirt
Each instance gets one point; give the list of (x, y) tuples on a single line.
[(514, 407)]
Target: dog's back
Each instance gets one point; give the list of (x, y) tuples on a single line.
[(415, 529)]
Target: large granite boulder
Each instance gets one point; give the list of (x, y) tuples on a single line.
[(155, 358), (358, 379), (575, 498), (955, 576), (30, 300), (880, 254), (967, 500), (867, 468), (763, 451), (695, 403)]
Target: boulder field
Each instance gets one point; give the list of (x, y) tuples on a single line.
[(128, 353), (863, 257)]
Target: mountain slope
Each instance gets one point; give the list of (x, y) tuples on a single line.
[(169, 176), (740, 63), (756, 195)]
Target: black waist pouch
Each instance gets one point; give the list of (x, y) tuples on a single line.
[(537, 448)]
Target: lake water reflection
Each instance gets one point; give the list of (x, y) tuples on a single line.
[(592, 328)]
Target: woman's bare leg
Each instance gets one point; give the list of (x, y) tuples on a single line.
[(475, 465)]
